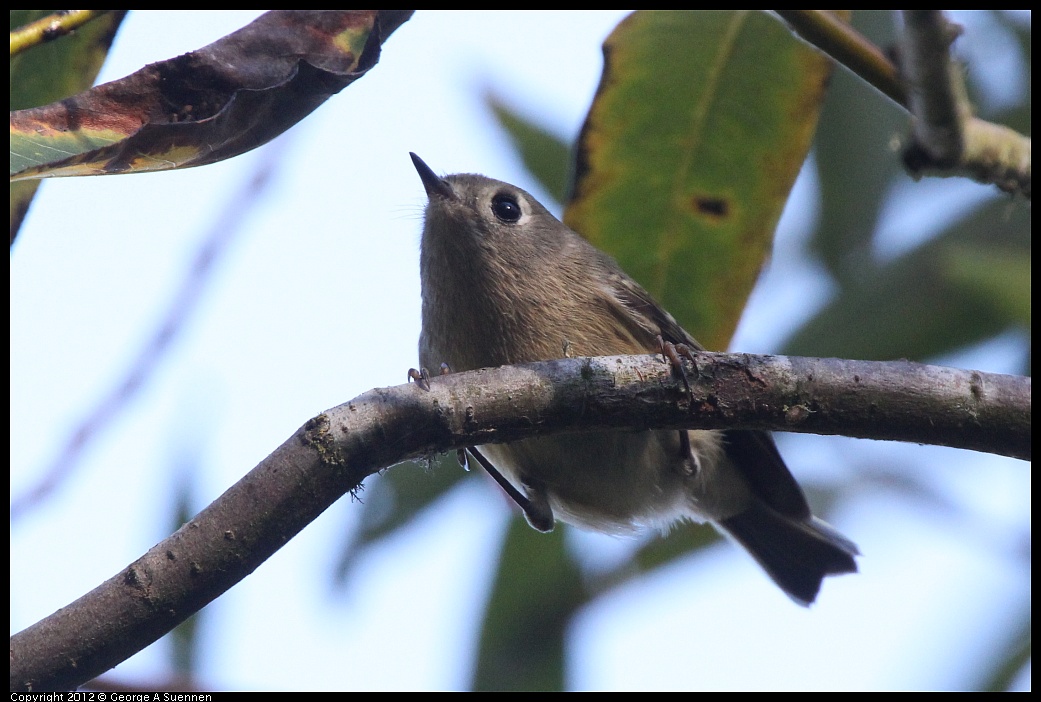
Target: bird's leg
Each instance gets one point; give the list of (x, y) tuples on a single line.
[(672, 354), (540, 516), (421, 377)]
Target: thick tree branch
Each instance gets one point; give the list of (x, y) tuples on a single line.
[(334, 452)]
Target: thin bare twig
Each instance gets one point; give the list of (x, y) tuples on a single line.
[(50, 28), (849, 47), (182, 307), (946, 139)]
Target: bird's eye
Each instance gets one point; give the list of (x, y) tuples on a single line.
[(506, 208)]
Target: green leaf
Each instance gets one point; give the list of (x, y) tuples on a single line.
[(855, 164), (184, 638), (967, 285), (1001, 278), (537, 589), (544, 154), (1014, 655), (392, 501), (51, 72), (63, 67), (205, 106), (699, 128)]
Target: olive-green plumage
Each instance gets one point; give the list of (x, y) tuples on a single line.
[(504, 281)]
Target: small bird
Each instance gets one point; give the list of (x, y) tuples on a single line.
[(504, 281)]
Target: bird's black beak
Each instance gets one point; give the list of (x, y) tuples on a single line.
[(433, 183)]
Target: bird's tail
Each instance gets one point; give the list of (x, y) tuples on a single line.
[(796, 553)]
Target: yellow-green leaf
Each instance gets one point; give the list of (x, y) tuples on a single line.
[(697, 132)]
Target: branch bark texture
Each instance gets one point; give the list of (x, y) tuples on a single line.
[(333, 452), (946, 139)]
